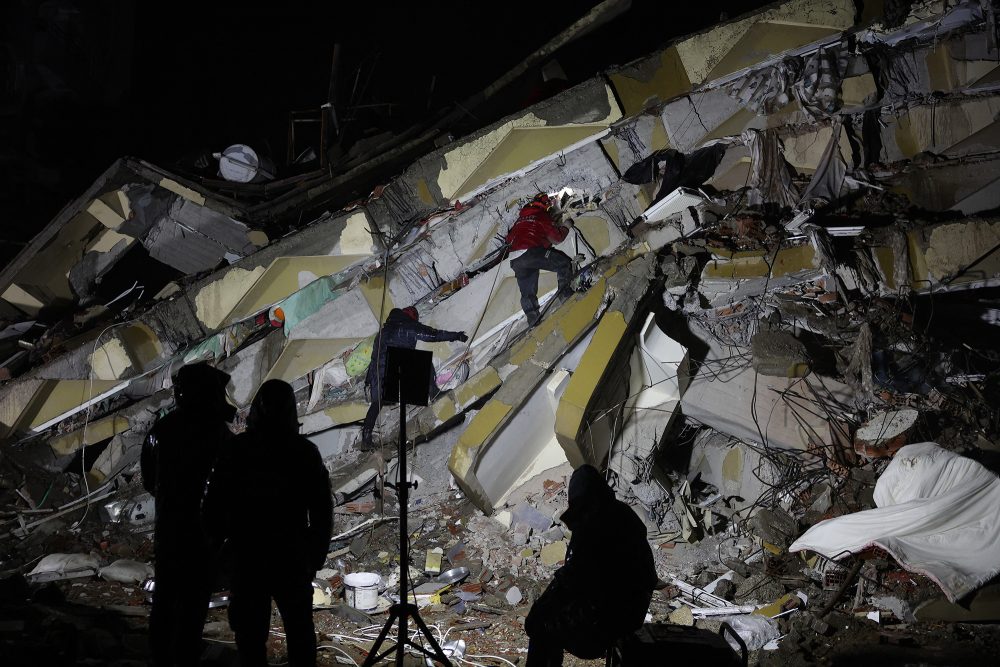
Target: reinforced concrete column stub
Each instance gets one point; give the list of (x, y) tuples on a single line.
[(629, 289)]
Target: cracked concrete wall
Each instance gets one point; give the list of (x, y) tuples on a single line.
[(968, 186), (633, 139), (703, 53), (947, 128), (723, 49), (431, 182)]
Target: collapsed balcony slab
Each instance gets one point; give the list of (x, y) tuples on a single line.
[(523, 369)]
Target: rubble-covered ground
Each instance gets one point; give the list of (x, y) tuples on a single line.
[(781, 349), (91, 621)]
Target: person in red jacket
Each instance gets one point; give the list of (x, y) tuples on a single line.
[(531, 239)]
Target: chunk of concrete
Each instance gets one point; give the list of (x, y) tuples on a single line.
[(885, 433), (553, 553), (779, 354)]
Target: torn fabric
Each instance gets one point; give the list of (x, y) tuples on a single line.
[(770, 178), (767, 90), (819, 88), (675, 169), (830, 179), (936, 515)]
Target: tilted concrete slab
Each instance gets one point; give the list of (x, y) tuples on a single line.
[(765, 39), (937, 127), (522, 148), (657, 374), (523, 368), (597, 386), (703, 53), (56, 399), (96, 431), (300, 357), (787, 413), (967, 186), (590, 103), (215, 300), (285, 276)]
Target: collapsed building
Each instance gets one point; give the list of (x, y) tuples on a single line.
[(787, 247)]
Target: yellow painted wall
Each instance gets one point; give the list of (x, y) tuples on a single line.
[(110, 361), (357, 239), (283, 277), (701, 54), (102, 429), (142, 344), (56, 397), (766, 39), (215, 301), (661, 77), (301, 356), (522, 146)]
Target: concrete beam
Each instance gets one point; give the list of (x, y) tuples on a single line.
[(597, 386)]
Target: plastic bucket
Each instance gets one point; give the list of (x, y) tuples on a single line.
[(361, 590)]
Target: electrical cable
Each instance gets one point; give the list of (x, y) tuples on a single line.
[(86, 421)]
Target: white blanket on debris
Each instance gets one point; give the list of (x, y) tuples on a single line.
[(937, 513)]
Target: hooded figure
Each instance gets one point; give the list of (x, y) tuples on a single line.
[(269, 500), (402, 328), (575, 613), (177, 458)]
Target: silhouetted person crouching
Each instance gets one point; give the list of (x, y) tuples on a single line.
[(269, 498), (580, 611), (177, 458)]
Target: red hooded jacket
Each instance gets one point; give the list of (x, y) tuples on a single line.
[(535, 228)]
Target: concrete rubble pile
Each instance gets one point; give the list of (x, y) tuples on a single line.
[(786, 232)]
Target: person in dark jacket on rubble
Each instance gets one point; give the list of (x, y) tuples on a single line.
[(402, 328), (580, 611), (176, 460), (531, 239), (270, 505)]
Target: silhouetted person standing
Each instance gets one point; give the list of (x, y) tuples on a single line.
[(402, 328), (177, 458), (270, 498), (575, 613)]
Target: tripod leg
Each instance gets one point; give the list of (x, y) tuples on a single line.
[(438, 653), (373, 654)]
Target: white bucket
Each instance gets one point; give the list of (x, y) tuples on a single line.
[(361, 590)]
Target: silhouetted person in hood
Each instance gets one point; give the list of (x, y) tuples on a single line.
[(270, 499), (402, 328), (177, 458), (583, 611)]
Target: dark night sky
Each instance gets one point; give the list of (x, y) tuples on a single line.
[(87, 81)]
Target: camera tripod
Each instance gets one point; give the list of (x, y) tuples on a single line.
[(419, 362)]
